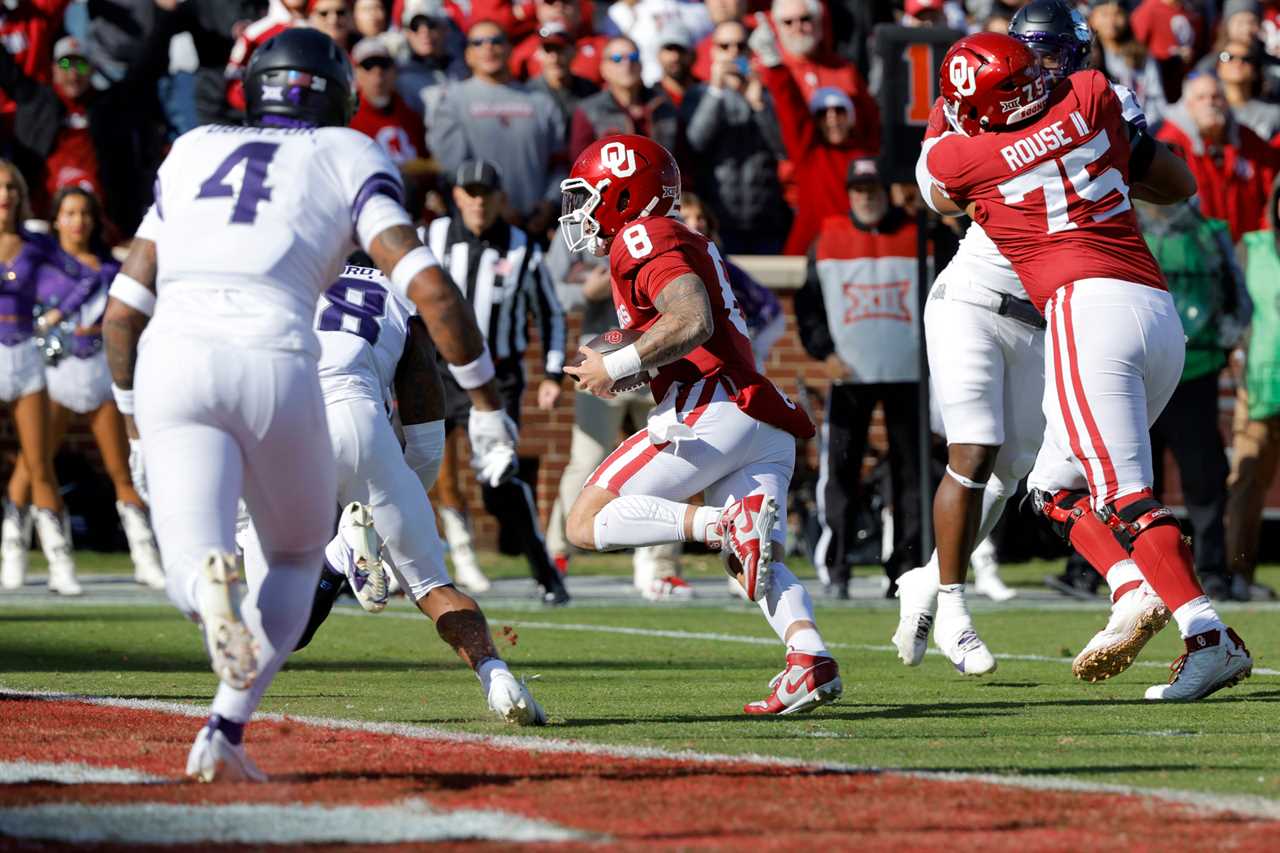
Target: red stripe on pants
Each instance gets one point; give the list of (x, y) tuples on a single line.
[(1109, 483)]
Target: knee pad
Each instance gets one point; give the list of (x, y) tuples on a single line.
[(1062, 508), (1139, 512)]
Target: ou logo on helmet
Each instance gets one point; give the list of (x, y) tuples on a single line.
[(619, 159), (962, 76)]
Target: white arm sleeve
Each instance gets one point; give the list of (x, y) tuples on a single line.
[(924, 180), (378, 214), (1130, 109)]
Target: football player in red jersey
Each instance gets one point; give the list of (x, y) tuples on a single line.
[(719, 428), (1048, 174)]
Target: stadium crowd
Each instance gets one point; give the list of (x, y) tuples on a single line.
[(771, 110)]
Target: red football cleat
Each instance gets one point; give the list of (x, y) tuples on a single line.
[(747, 536), (807, 682)]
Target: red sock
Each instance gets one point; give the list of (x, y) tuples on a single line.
[(1096, 543), (1167, 564)]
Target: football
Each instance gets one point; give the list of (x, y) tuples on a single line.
[(612, 341)]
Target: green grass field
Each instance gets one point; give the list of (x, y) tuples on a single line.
[(602, 681)]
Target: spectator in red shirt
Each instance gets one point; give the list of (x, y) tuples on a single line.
[(1174, 35), (799, 28), (1233, 167), (675, 55), (281, 15), (588, 47), (821, 135), (27, 31), (383, 115)]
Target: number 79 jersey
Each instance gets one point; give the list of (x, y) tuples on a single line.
[(647, 255), (1054, 194), (362, 327), (251, 224)]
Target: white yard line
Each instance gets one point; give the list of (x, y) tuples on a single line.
[(708, 636), (408, 821), (1242, 804), (71, 773)]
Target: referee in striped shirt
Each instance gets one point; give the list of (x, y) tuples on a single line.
[(501, 275)]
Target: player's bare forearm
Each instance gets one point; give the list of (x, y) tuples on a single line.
[(419, 393), (448, 318), (122, 325), (1168, 179), (685, 323)]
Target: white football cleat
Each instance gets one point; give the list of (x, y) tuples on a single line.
[(462, 554), (956, 638), (917, 603), (511, 700), (1137, 617), (147, 569), (55, 540), (362, 557), (672, 588), (233, 652), (213, 758), (1214, 659), (986, 573), (747, 536), (15, 545)]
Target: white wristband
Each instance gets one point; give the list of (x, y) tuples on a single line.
[(124, 399), (411, 264), (624, 362), (475, 373), (133, 293)]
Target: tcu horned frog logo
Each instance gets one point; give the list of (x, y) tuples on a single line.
[(962, 75), (619, 159)]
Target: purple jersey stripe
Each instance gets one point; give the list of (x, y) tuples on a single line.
[(379, 183)]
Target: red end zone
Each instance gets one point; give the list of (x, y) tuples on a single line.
[(333, 785)]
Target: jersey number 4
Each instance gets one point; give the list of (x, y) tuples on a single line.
[(256, 157), (1048, 177), (355, 307)]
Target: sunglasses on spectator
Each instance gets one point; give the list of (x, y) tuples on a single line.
[(340, 12), (423, 21), (791, 22), (80, 64), (824, 110), (731, 45), (633, 57), (1228, 56), (376, 62), (480, 41)]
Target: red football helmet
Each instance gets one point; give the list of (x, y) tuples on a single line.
[(989, 81), (615, 180)]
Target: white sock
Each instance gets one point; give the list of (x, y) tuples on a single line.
[(1196, 617), (1123, 572), (786, 603), (634, 520), (951, 602), (705, 519), (809, 641), (485, 672)]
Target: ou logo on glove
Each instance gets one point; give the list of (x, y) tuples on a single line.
[(962, 76), (619, 159)]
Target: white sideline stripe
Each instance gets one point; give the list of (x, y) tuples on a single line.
[(744, 639), (71, 773), (1248, 805), (286, 823)]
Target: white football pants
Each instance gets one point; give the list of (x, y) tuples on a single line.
[(219, 421)]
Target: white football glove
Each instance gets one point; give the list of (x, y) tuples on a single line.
[(138, 471), (764, 44), (493, 446)]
